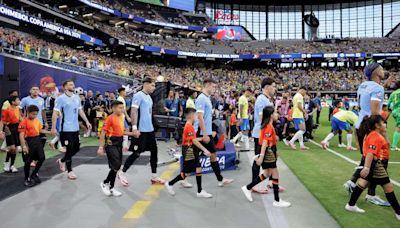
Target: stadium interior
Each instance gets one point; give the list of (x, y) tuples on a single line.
[(322, 46)]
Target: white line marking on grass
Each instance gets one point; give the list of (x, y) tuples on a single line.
[(350, 160), (275, 215)]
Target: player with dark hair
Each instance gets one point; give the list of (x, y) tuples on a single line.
[(30, 130), (376, 158), (111, 138), (143, 138), (267, 157), (10, 119), (68, 105), (191, 160)]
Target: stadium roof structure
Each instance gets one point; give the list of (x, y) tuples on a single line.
[(282, 2)]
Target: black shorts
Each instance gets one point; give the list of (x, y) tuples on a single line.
[(270, 165), (270, 158), (12, 135), (145, 142), (36, 151), (378, 173), (70, 140), (191, 159), (210, 146), (114, 152)]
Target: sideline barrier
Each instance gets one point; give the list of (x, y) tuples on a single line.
[(226, 159)]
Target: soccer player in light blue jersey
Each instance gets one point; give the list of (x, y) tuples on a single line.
[(370, 95), (69, 105), (263, 100), (204, 127), (35, 99), (143, 131)]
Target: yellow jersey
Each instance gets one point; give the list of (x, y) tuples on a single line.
[(298, 100), (243, 101), (346, 116)]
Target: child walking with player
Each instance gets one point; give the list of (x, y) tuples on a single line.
[(374, 171), (191, 161), (268, 157), (30, 129), (111, 138)]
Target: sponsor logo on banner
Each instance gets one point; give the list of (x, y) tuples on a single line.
[(206, 163), (222, 16)]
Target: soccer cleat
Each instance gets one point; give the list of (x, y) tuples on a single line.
[(286, 142), (28, 183), (292, 146), (281, 203), (348, 186), (36, 179), (122, 178), (377, 201), (61, 165), (324, 145), (354, 209), (169, 188), (224, 182), (115, 192), (342, 145), (186, 184), (204, 194), (247, 193), (72, 176), (304, 148), (6, 167), (351, 148), (397, 217), (105, 188), (13, 169), (157, 180)]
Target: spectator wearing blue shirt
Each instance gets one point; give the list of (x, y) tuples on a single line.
[(171, 104), (142, 127), (69, 106), (204, 111), (317, 102), (35, 99)]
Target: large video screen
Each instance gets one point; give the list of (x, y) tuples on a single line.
[(186, 5), (229, 33)]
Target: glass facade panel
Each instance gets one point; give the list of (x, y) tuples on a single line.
[(351, 19)]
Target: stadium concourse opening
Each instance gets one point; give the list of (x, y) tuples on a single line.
[(147, 113)]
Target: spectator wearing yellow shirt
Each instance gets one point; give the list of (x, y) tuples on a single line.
[(244, 119)]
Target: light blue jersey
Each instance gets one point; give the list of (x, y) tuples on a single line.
[(144, 103), (203, 105), (69, 106), (38, 102), (368, 91), (262, 101)]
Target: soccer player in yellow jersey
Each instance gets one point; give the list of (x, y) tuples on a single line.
[(342, 121), (298, 119), (244, 118)]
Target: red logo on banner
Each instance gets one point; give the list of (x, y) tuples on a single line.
[(226, 15)]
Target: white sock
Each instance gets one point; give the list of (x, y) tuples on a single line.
[(54, 140), (125, 142), (301, 140), (297, 136), (246, 142), (349, 139), (154, 175), (237, 137), (328, 137)]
